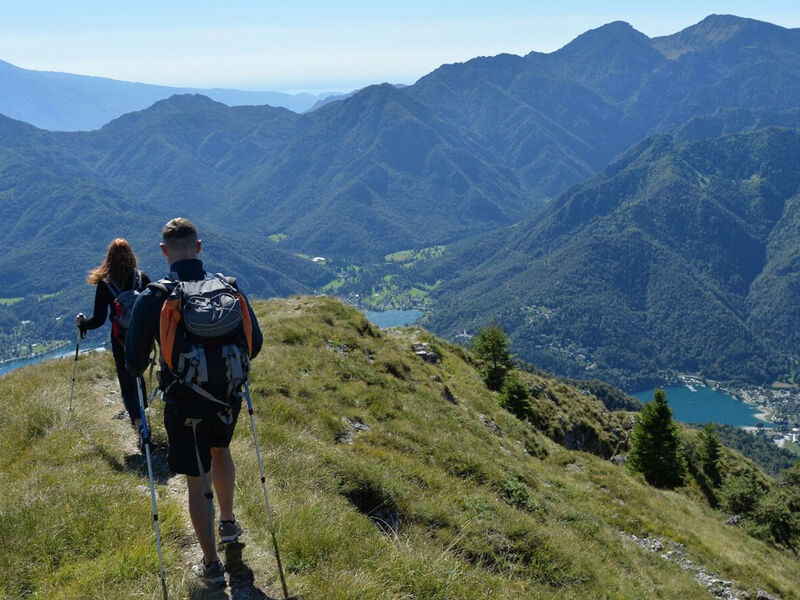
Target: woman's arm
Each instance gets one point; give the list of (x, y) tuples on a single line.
[(102, 302)]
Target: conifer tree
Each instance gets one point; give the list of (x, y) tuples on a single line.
[(656, 446), (710, 452), (491, 344)]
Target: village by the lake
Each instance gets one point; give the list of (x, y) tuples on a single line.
[(777, 407)]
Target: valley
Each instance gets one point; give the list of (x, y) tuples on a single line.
[(624, 207), (461, 266)]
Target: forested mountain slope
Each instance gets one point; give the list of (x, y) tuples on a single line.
[(679, 256)]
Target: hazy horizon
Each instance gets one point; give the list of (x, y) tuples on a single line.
[(314, 46)]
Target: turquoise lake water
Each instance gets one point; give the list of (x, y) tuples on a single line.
[(393, 318), (705, 406), (13, 365)]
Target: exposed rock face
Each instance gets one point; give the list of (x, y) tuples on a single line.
[(423, 350), (354, 426), (448, 395), (719, 588), (491, 425), (583, 437)]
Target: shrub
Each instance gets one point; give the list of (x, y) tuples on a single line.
[(742, 492), (516, 398)]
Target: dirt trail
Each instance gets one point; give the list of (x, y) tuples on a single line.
[(251, 570)]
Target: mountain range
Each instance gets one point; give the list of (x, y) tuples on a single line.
[(680, 255), (67, 102), (467, 150)]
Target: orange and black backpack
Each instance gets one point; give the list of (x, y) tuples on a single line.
[(206, 335)]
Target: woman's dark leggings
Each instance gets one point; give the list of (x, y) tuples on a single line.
[(127, 382)]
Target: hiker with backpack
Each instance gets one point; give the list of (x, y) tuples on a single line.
[(118, 281), (208, 334)]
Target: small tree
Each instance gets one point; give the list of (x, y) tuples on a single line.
[(742, 492), (791, 477), (774, 513), (491, 345), (710, 452), (656, 446), (516, 398)]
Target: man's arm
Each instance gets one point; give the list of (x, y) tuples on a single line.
[(258, 337), (142, 331)]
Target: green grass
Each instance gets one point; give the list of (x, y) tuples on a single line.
[(10, 301), (334, 285), (277, 238), (792, 447), (37, 349), (415, 256), (481, 515), (401, 256), (43, 297)]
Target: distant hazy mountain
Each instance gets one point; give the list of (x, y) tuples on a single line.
[(678, 257), (66, 102), (337, 97)]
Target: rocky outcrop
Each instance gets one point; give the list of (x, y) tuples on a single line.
[(423, 351), (676, 553)]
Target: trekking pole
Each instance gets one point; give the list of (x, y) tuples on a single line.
[(270, 517), (75, 368), (146, 444)]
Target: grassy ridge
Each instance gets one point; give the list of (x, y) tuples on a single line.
[(483, 506)]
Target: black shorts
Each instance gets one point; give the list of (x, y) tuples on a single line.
[(214, 430)]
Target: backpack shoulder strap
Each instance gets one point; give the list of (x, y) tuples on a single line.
[(163, 286), (231, 281), (112, 287)]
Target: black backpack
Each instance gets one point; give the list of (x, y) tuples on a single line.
[(206, 335), (123, 305)]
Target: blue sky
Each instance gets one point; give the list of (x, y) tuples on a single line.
[(318, 45)]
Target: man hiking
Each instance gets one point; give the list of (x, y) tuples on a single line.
[(201, 378)]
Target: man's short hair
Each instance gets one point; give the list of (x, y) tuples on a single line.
[(179, 234)]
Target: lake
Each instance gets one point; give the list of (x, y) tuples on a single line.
[(705, 406), (13, 365), (393, 318)]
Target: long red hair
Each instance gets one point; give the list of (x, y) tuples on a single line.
[(118, 266)]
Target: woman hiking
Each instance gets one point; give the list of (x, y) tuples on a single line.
[(118, 281)]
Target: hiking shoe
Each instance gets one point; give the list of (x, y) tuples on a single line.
[(229, 531), (211, 574)]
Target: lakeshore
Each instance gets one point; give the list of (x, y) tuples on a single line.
[(393, 318), (696, 403), (63, 351)]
